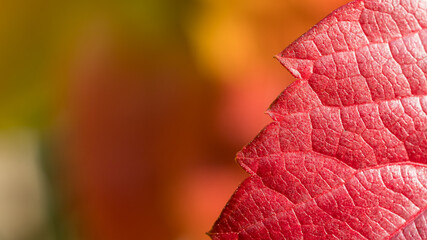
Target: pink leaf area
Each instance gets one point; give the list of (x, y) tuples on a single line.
[(346, 154)]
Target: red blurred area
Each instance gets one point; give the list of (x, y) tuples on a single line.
[(159, 96), (145, 158)]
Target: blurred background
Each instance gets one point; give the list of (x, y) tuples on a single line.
[(121, 120)]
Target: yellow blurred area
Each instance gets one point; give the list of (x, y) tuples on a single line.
[(121, 119)]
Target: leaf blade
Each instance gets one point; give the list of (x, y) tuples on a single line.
[(359, 104)]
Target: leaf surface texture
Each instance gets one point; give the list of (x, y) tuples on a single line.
[(346, 154)]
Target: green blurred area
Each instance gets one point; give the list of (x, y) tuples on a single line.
[(38, 37)]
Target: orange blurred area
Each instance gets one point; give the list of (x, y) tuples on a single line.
[(120, 120)]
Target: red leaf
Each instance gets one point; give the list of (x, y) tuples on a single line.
[(346, 155)]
